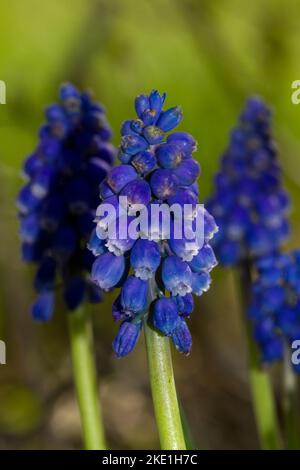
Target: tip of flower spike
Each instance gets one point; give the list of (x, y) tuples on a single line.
[(68, 90), (170, 119)]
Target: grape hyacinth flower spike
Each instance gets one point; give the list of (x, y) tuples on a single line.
[(249, 202), (250, 207), (57, 207), (156, 270), (275, 305), (274, 312)]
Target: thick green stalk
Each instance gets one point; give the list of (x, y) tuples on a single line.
[(84, 370), (164, 395), (261, 387)]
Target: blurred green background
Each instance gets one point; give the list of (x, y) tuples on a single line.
[(208, 57)]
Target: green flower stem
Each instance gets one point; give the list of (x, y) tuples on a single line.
[(164, 395), (84, 370), (261, 387)]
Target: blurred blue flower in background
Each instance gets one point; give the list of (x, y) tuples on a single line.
[(249, 203), (58, 202), (275, 304), (155, 168)]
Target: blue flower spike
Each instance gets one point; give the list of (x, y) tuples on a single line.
[(249, 204), (157, 168), (58, 203), (275, 304)]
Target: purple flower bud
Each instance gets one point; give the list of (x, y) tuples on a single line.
[(205, 260), (184, 141), (170, 118), (144, 162), (176, 276), (134, 295), (238, 223), (182, 338), (45, 276), (54, 113), (126, 128), (154, 135), (96, 245), (194, 188), (105, 190), (200, 282), (169, 155), (137, 125), (145, 258), (126, 338), (43, 307), (137, 192), (259, 240), (68, 91), (132, 144), (185, 304), (30, 228), (116, 243), (149, 117), (156, 101), (210, 226), (117, 310), (120, 176), (42, 181), (107, 270), (32, 165), (163, 183), (184, 197), (141, 104), (165, 315), (187, 172), (26, 201), (185, 249), (124, 157)]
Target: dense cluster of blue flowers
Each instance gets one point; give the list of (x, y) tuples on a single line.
[(58, 202), (155, 167), (249, 203), (275, 305)]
